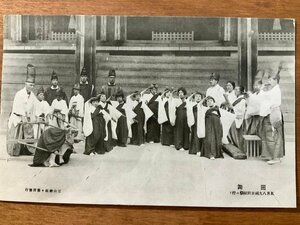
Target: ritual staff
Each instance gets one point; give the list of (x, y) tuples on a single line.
[(215, 90), (60, 110), (143, 113), (54, 148), (76, 108), (23, 110), (272, 133), (153, 127), (211, 131), (192, 118), (50, 93), (122, 126), (87, 89), (111, 88), (166, 117), (238, 107), (181, 128)]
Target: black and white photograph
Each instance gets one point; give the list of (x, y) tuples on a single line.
[(148, 111)]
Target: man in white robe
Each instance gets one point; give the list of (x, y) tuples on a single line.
[(23, 111), (215, 90)]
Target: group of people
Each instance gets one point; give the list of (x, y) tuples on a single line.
[(198, 123)]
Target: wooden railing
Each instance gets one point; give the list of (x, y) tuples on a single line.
[(276, 36), (63, 36), (172, 36)]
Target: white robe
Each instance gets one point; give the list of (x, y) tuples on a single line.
[(217, 92), (239, 111), (62, 106), (23, 105)]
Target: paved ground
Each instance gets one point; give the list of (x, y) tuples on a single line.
[(151, 175)]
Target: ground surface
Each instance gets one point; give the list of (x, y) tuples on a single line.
[(150, 175)]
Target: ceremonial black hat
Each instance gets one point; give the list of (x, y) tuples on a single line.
[(215, 76), (112, 73), (30, 76), (83, 72), (40, 90), (54, 75), (76, 87)]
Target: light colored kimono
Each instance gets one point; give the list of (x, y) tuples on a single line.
[(62, 106), (78, 101), (217, 92), (24, 105)]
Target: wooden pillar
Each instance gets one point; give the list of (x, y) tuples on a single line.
[(247, 51), (25, 28), (103, 28), (225, 30), (16, 28), (86, 46)]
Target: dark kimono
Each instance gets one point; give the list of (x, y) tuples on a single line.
[(196, 143), (235, 135), (50, 95), (167, 130), (181, 128), (51, 140), (122, 129), (212, 143), (153, 127), (95, 142), (138, 133)]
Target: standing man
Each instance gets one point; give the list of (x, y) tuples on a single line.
[(111, 88), (50, 93), (87, 90), (215, 90), (23, 111)]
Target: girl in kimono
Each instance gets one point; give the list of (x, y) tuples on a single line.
[(94, 127), (196, 142), (235, 135), (229, 95), (165, 114), (138, 133), (122, 128), (60, 110), (76, 108), (181, 128), (212, 142)]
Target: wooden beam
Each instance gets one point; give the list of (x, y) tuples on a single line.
[(247, 51)]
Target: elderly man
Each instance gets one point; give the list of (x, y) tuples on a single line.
[(215, 90), (111, 88), (23, 110)]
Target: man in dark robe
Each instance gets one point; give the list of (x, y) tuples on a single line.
[(138, 133), (111, 88), (87, 89), (54, 148), (122, 129), (153, 127), (181, 128), (50, 93)]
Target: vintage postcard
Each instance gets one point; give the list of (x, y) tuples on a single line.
[(163, 111)]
